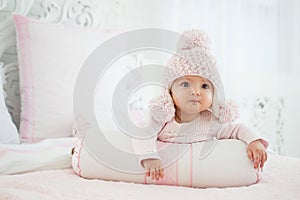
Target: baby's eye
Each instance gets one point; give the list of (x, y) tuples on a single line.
[(205, 86), (185, 84)]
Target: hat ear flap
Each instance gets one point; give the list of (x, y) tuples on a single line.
[(162, 108), (228, 112)]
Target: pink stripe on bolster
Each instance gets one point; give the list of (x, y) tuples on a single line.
[(177, 167), (191, 165), (3, 152), (79, 156), (257, 176), (145, 179)]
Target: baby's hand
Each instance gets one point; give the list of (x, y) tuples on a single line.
[(154, 168), (257, 153)]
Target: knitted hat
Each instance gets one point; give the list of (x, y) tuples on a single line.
[(193, 57)]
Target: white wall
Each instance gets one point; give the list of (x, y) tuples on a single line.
[(256, 43)]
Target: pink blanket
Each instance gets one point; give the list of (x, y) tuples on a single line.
[(280, 180)]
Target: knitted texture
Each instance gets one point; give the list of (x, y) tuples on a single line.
[(228, 112), (193, 57), (162, 108)]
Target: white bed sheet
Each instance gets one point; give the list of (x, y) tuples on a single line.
[(45, 155)]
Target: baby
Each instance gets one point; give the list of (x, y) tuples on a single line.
[(193, 109)]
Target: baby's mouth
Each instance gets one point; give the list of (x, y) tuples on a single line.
[(195, 101)]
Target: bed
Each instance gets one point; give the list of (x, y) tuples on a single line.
[(51, 177), (39, 84)]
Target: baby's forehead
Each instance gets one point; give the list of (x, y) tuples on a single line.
[(192, 78)]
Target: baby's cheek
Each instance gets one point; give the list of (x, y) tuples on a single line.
[(207, 98), (176, 101)]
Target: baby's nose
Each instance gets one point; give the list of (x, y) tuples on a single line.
[(196, 91)]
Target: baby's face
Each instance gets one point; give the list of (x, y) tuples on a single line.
[(192, 94)]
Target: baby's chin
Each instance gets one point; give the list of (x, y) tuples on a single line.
[(195, 108)]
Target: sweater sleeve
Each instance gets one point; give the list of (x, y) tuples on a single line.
[(146, 148), (240, 132)]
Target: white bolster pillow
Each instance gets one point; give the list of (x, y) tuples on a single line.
[(217, 163)]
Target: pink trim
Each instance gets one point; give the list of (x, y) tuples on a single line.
[(257, 176), (79, 156), (3, 152), (191, 165), (177, 168), (145, 179), (27, 110)]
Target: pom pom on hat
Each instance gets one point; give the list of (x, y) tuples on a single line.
[(193, 38), (229, 112), (162, 108)]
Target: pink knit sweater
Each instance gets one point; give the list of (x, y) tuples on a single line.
[(205, 127)]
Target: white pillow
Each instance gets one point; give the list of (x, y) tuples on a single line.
[(8, 131), (50, 57), (226, 164)]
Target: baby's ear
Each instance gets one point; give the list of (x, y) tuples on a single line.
[(162, 108)]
